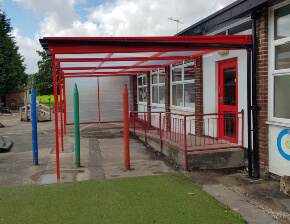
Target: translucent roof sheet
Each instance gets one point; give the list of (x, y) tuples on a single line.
[(89, 56)]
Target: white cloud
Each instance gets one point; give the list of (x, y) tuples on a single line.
[(119, 18), (28, 48)]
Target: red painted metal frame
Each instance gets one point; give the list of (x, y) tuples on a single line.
[(181, 147), (102, 122), (60, 108), (56, 116), (64, 99), (111, 45)]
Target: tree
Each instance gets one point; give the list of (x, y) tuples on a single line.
[(43, 79), (12, 69)]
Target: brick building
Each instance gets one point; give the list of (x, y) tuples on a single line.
[(217, 82), (14, 100)]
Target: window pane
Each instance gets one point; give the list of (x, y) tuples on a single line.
[(176, 74), (154, 78), (177, 95), (162, 94), (282, 56), (144, 81), (189, 73), (282, 22), (155, 94), (282, 96), (140, 81), (189, 95), (142, 92), (230, 86), (161, 77)]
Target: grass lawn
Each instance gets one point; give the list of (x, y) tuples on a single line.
[(151, 199), (45, 99)]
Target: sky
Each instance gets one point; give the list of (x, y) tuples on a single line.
[(32, 20)]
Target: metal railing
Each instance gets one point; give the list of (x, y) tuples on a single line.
[(193, 132)]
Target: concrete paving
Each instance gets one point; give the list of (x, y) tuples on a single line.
[(101, 158)]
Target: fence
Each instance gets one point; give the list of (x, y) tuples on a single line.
[(189, 133)]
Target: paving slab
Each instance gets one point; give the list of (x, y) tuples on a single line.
[(237, 204)]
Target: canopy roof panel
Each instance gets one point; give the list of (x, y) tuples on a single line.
[(102, 56)]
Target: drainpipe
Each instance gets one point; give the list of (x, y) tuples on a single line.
[(250, 162), (254, 107)]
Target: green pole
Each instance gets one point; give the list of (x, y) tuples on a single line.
[(77, 126)]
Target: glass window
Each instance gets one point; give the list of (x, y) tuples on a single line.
[(189, 73), (142, 93), (162, 77), (154, 78), (161, 94), (176, 74), (155, 94), (230, 86), (282, 96), (177, 95), (282, 56), (189, 95), (140, 81), (158, 86), (182, 85), (282, 22), (142, 88)]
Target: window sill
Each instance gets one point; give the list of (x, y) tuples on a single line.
[(142, 103), (157, 105), (287, 125), (185, 109)]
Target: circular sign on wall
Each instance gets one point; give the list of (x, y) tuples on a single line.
[(283, 143)]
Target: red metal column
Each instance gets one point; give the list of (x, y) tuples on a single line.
[(56, 115), (185, 146), (60, 106), (160, 117), (126, 129), (99, 110), (64, 105)]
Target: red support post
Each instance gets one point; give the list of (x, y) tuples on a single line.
[(185, 146), (160, 132), (243, 128), (126, 129), (99, 110), (60, 106), (56, 115), (64, 105)]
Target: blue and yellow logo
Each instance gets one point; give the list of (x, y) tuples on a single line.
[(283, 143)]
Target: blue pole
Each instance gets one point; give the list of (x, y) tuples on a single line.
[(34, 127)]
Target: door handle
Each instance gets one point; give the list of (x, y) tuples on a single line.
[(221, 99)]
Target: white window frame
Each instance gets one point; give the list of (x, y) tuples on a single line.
[(142, 76), (182, 66), (158, 84), (271, 58)]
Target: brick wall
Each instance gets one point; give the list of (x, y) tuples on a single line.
[(167, 97), (135, 92), (198, 95), (262, 90), (15, 100)]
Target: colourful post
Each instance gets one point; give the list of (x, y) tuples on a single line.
[(77, 126), (126, 129), (64, 104), (34, 128)]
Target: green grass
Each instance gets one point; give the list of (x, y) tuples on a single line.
[(151, 199), (45, 99)]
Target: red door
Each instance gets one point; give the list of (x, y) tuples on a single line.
[(228, 100)]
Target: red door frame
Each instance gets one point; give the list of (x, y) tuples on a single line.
[(233, 62)]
